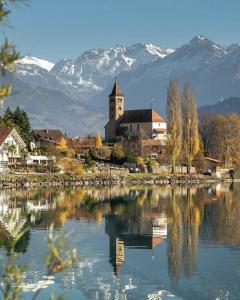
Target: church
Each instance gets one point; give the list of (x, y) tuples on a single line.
[(145, 123)]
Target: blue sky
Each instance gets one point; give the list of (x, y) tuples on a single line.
[(53, 29)]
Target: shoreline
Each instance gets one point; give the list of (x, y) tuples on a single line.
[(59, 180)]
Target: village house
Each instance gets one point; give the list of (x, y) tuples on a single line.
[(11, 147), (43, 137), (82, 146), (144, 123)]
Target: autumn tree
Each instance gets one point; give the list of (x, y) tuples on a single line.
[(206, 132), (62, 147), (190, 125), (70, 165), (174, 120), (98, 141), (66, 159), (224, 131)]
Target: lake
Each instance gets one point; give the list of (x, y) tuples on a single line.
[(133, 242)]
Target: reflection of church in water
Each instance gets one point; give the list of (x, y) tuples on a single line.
[(139, 234)]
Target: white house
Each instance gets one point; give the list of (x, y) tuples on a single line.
[(11, 146)]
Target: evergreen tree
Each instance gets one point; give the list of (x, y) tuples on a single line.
[(8, 115), (21, 119)]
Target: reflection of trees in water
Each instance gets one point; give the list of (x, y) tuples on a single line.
[(183, 233), (222, 219), (175, 238), (211, 212), (191, 216)]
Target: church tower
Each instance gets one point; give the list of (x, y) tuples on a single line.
[(116, 103), (116, 111)]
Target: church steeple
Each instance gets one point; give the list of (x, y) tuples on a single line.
[(116, 103), (116, 91), (116, 111)]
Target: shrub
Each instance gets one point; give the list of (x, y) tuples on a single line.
[(89, 162), (139, 161), (151, 162), (117, 155)]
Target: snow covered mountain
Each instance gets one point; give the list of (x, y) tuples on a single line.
[(28, 61), (90, 73), (213, 71), (95, 67), (143, 72)]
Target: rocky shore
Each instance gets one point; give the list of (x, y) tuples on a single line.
[(31, 181), (181, 179)]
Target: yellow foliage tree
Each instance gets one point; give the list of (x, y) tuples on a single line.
[(67, 162), (64, 149), (71, 165), (191, 144), (98, 141), (174, 117), (139, 161)]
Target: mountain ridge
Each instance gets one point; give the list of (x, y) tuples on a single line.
[(143, 71)]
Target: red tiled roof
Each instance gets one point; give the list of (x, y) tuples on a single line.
[(4, 133), (141, 115), (48, 134), (156, 117), (116, 90)]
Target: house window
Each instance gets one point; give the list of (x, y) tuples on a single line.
[(120, 100), (131, 127), (119, 108), (138, 127)]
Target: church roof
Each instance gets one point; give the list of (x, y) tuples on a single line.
[(116, 90), (140, 116)]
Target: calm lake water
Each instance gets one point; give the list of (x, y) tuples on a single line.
[(133, 243)]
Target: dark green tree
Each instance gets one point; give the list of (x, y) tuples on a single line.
[(8, 115), (21, 119)]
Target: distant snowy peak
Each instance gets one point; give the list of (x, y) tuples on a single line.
[(200, 42), (98, 66), (161, 52), (64, 66), (30, 60)]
